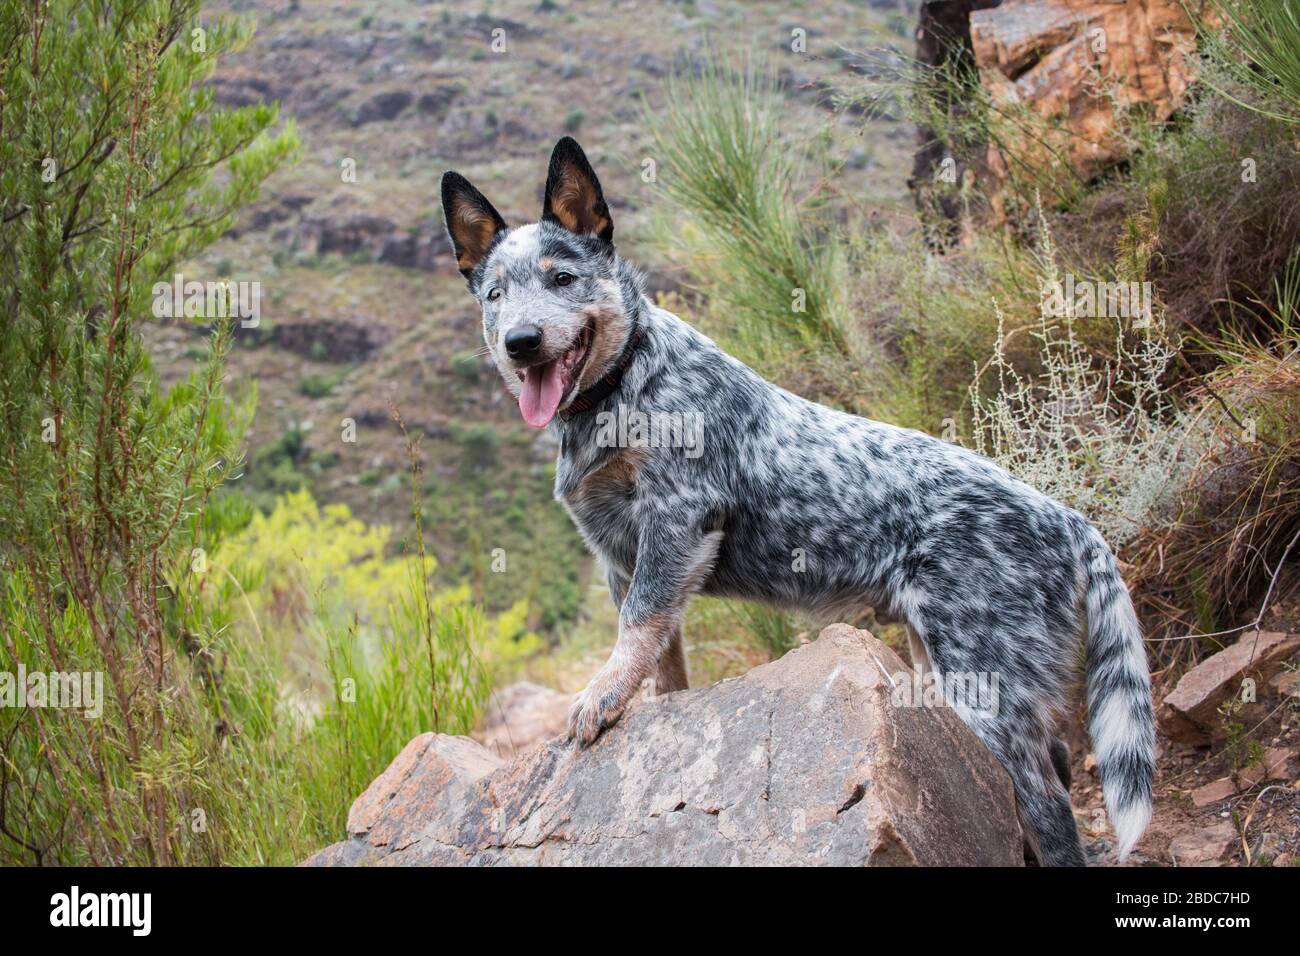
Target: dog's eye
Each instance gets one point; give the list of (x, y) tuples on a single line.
[(564, 278), (494, 294)]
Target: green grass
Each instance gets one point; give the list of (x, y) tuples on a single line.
[(750, 236), (317, 385), (1261, 46), (479, 514)]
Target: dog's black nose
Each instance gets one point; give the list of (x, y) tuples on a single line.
[(523, 341)]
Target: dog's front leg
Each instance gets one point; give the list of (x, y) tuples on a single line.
[(670, 567), (671, 674)]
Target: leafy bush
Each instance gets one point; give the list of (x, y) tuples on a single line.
[(1099, 434), (316, 385), (481, 444), (107, 185), (467, 365), (255, 670)]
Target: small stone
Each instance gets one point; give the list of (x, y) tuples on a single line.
[(1190, 714), (1268, 847), (1220, 789), (1287, 683), (1211, 846), (1274, 765)]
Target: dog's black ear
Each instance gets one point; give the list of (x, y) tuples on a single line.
[(472, 223), (573, 196)]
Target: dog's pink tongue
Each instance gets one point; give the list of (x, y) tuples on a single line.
[(541, 394)]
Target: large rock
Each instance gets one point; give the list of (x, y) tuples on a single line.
[(802, 761), (384, 105), (330, 339), (343, 234), (1045, 55), (1062, 76), (1190, 713), (422, 244)]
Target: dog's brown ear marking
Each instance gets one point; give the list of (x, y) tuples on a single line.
[(472, 223), (573, 196)]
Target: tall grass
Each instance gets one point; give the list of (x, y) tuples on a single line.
[(771, 267), (1211, 569), (312, 659), (1260, 43)]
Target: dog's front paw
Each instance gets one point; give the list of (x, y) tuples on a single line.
[(600, 705)]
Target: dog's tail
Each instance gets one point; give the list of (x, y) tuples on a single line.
[(1120, 719)]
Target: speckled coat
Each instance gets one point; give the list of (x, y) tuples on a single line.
[(801, 506)]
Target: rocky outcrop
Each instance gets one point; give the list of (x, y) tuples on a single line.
[(382, 106), (1190, 713), (806, 760), (1071, 67), (1048, 54), (329, 339), (343, 234), (422, 245)]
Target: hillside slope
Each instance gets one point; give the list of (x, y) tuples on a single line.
[(361, 305)]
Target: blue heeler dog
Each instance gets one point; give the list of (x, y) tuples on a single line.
[(988, 575)]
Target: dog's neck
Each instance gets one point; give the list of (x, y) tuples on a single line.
[(577, 429), (608, 383), (635, 310)]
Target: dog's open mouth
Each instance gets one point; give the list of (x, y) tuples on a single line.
[(546, 385)]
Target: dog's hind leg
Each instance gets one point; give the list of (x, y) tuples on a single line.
[(1044, 803), (1015, 724), (1019, 735), (671, 675), (1060, 751)]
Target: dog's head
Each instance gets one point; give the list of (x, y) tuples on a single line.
[(554, 317)]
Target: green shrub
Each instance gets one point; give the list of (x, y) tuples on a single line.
[(481, 444), (1102, 435), (1221, 188), (467, 365), (769, 266), (316, 385), (104, 476), (257, 670)]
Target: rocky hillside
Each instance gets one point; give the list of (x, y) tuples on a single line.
[(361, 305)]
